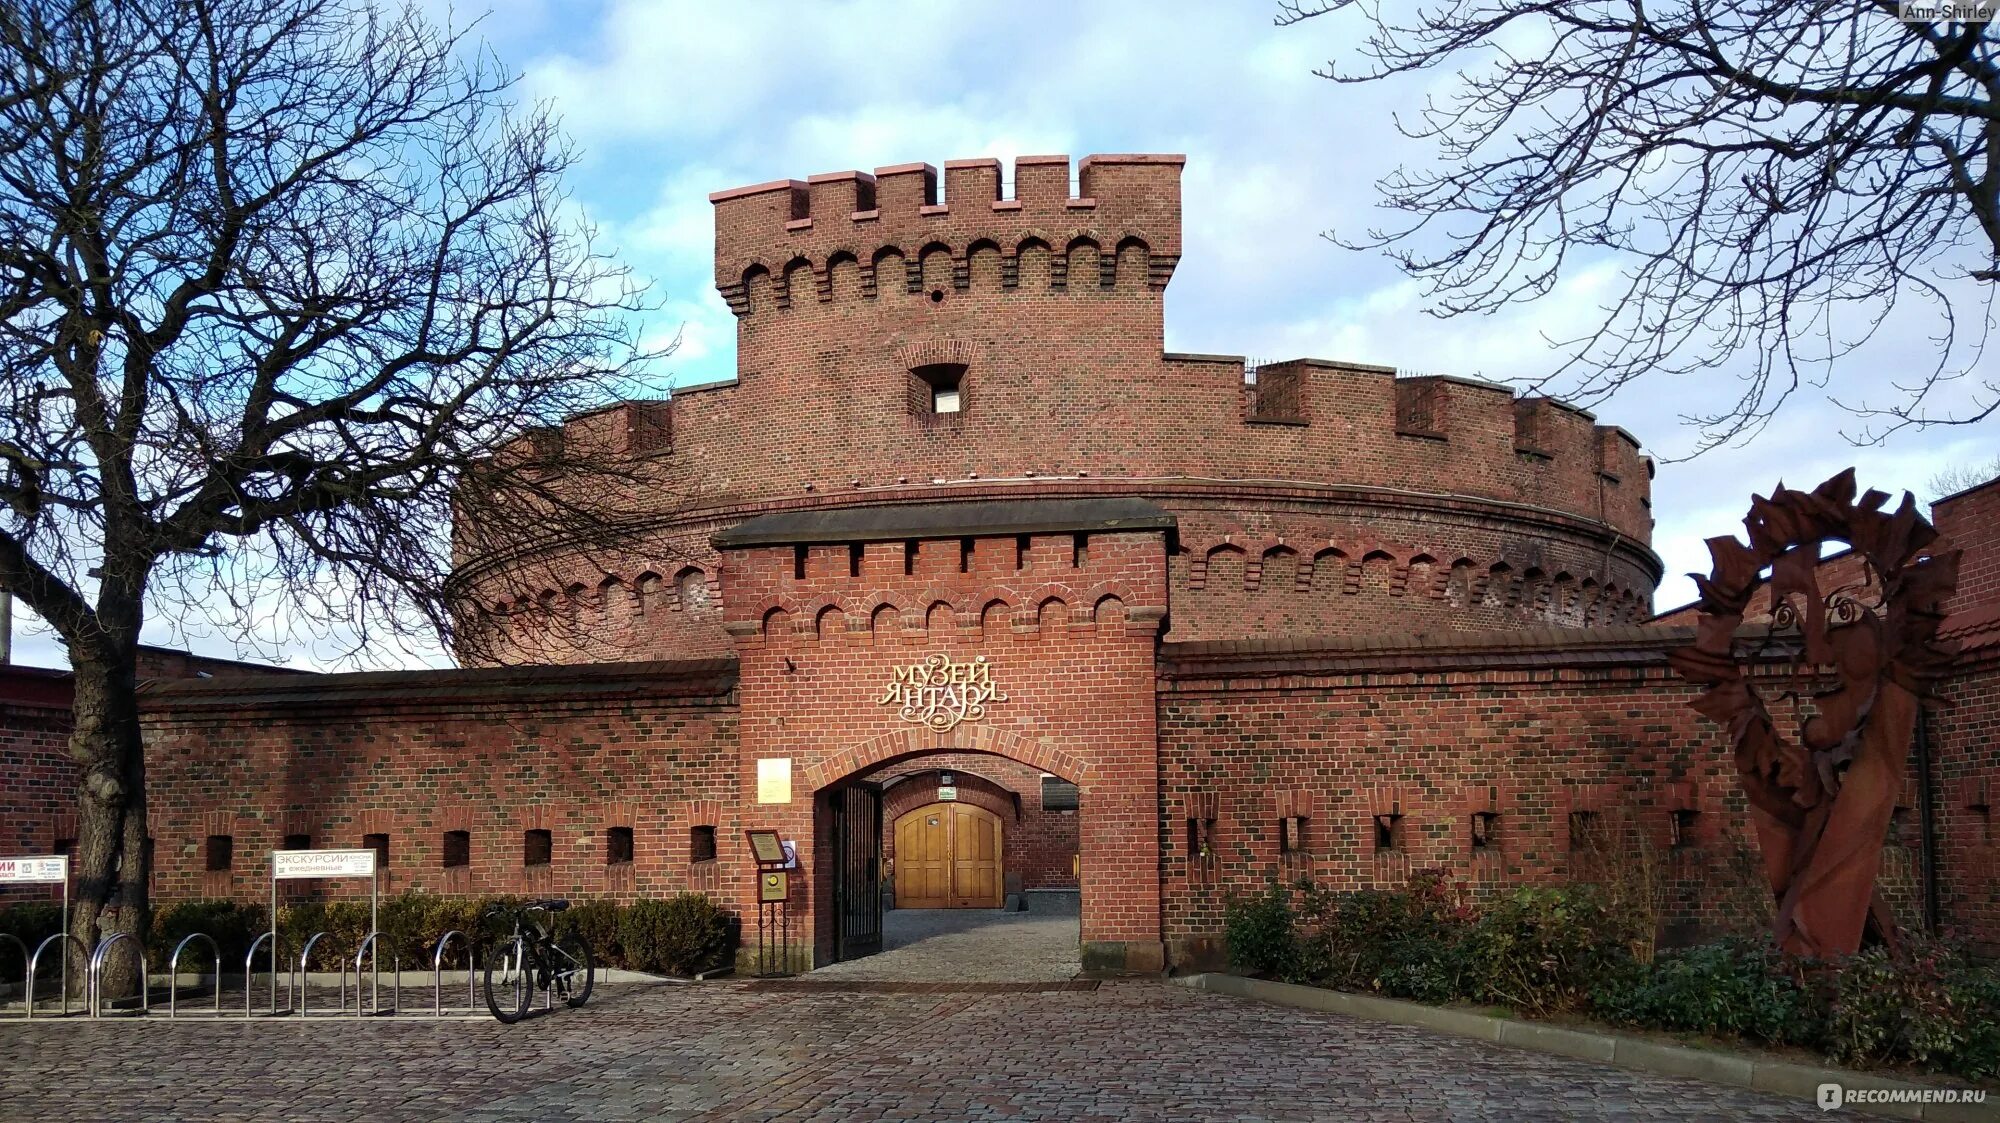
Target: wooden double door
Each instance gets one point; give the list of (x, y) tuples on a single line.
[(948, 856)]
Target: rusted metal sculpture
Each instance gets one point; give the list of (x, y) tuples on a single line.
[(1861, 666)]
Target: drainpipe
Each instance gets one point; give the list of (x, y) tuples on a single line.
[(1926, 821), (6, 627)]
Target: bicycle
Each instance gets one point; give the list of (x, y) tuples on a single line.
[(533, 958)]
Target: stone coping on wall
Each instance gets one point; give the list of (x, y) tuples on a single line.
[(1740, 1070), (1580, 648), (507, 686), (947, 520)]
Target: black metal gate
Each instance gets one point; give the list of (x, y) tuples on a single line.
[(857, 871)]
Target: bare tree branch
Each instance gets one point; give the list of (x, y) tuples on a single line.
[(1775, 178), (278, 280)]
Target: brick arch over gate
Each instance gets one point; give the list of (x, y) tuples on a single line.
[(964, 739)]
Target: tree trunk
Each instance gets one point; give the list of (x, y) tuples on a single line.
[(113, 860)]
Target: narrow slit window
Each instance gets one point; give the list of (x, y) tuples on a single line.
[(220, 853), (379, 843), (1682, 829), (1388, 832), (1583, 834), (617, 846), (298, 842), (1485, 830), (537, 847), (457, 849), (701, 844), (938, 389)]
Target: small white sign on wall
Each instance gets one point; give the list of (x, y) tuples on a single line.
[(774, 779), (294, 864), (947, 794), (36, 870)]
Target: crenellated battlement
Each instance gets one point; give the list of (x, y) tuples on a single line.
[(913, 337), (855, 236)]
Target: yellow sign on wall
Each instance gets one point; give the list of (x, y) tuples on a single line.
[(774, 779)]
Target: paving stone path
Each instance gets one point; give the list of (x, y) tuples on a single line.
[(973, 945), (732, 1051)]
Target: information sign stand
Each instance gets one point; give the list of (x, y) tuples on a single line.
[(774, 903), (303, 865), (42, 869)]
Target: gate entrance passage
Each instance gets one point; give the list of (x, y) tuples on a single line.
[(948, 856), (857, 870)]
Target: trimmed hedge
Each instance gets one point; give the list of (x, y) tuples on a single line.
[(1562, 950), (683, 933)]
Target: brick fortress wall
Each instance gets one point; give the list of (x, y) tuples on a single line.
[(1314, 497), (332, 760), (1525, 729)]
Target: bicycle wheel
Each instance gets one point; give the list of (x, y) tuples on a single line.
[(510, 987), (571, 965)]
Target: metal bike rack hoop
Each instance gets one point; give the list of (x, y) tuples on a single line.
[(250, 957), (174, 971), (305, 957), (93, 985), (437, 972), (34, 961), (25, 965)]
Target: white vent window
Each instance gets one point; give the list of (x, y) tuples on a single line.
[(944, 399)]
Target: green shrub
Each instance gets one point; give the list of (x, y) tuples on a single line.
[(598, 923), (231, 925), (1738, 986), (30, 923), (1260, 933), (681, 935), (1408, 943), (1928, 1007), (1543, 951)]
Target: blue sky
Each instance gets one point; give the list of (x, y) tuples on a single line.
[(670, 101)]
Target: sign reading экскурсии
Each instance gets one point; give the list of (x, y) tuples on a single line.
[(287, 864), (938, 693), (34, 871)]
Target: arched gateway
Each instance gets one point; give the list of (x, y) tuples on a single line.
[(936, 674)]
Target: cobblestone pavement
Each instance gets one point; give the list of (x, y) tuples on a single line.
[(1127, 1051), (973, 945)]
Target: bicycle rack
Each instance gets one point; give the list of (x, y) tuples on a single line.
[(249, 989), (23, 945), (174, 973), (437, 973), (35, 960), (93, 985), (305, 956), (369, 942)]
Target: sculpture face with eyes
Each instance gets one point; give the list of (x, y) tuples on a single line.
[(1860, 668)]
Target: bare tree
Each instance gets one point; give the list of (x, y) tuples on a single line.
[(1778, 178), (1962, 477), (277, 277)]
